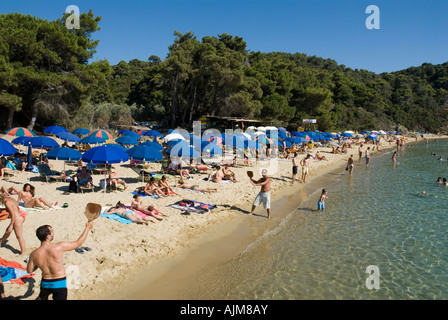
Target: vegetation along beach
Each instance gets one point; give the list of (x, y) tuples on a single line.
[(137, 174)]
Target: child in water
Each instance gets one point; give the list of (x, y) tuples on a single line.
[(321, 202)]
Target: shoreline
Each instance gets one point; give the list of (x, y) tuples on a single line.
[(127, 258)]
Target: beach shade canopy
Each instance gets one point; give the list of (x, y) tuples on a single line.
[(152, 133), (287, 143), (63, 153), (145, 153), (347, 135), (127, 140), (105, 154), (250, 144), (119, 146), (20, 132), (184, 151), (67, 136), (55, 130), (153, 144), (173, 136), (42, 142), (102, 134), (372, 136), (174, 142), (6, 148), (20, 140), (216, 140), (92, 140), (130, 133), (81, 131)]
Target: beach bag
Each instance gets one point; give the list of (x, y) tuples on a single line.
[(73, 187)]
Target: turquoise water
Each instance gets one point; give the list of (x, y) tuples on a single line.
[(377, 216)]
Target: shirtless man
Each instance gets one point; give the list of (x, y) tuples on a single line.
[(27, 195), (217, 175), (305, 163), (49, 259), (228, 174), (350, 164), (17, 219), (367, 156), (295, 167), (319, 157), (85, 178), (264, 196)]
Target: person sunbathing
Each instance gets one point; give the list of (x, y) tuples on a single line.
[(136, 204), (165, 187), (129, 214), (319, 157), (228, 174), (115, 180), (151, 188), (84, 177), (216, 175), (27, 195), (195, 187), (10, 191)]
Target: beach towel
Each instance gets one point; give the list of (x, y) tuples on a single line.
[(143, 194), (192, 206), (37, 209), (114, 216), (13, 272)]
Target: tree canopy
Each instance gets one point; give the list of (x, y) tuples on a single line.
[(46, 78)]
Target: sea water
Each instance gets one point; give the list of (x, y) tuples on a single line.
[(375, 219)]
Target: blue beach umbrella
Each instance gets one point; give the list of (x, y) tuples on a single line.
[(211, 149), (145, 153), (81, 131), (20, 140), (119, 146), (55, 129), (42, 142), (127, 140), (92, 140), (63, 153), (174, 142), (105, 155), (6, 148), (184, 151), (152, 133), (153, 144), (67, 136), (130, 133)]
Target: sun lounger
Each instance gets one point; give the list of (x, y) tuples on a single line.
[(47, 174)]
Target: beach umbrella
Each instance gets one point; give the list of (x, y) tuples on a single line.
[(81, 131), (42, 142), (183, 151), (174, 142), (173, 136), (287, 143), (20, 131), (104, 154), (129, 133), (153, 144), (372, 136), (265, 140), (152, 133), (64, 153), (102, 134), (119, 146), (6, 148), (281, 129), (145, 153), (67, 136), (346, 134), (215, 140), (20, 140), (250, 144), (55, 129), (92, 140), (234, 141), (127, 140)]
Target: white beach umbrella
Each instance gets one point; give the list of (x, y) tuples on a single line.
[(173, 136), (258, 133), (349, 131), (382, 132)]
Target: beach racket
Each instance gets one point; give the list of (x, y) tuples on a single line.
[(250, 174), (92, 211)]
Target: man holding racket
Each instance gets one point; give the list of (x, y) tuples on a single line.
[(264, 196)]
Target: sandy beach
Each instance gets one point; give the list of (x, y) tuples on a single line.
[(121, 252)]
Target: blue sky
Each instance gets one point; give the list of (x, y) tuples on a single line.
[(411, 31)]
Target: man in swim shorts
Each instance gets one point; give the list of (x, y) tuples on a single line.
[(295, 167), (321, 202), (49, 259), (305, 163), (264, 196)]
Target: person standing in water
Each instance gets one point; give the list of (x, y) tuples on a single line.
[(321, 202)]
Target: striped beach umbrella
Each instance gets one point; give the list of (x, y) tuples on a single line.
[(102, 134), (20, 132)]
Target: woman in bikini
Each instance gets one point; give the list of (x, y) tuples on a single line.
[(27, 195), (151, 188), (195, 187), (129, 214), (136, 204), (17, 219), (166, 188)]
